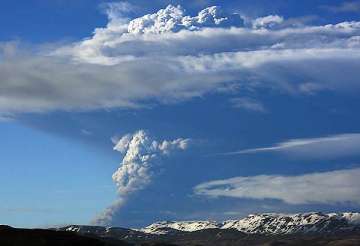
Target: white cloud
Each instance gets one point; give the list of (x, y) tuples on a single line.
[(116, 12), (122, 144), (173, 57), (248, 104), (310, 88), (269, 21), (140, 165), (324, 147), (334, 187), (173, 19), (86, 132)]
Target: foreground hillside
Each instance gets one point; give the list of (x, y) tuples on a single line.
[(207, 237), (39, 237)]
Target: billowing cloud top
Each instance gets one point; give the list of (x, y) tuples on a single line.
[(141, 160), (269, 21), (171, 56), (173, 19)]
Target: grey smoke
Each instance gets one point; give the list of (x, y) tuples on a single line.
[(140, 165)]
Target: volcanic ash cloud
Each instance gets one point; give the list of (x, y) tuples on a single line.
[(143, 157)]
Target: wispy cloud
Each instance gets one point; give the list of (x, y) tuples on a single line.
[(334, 187), (86, 132), (267, 21), (350, 6), (6, 118), (322, 147), (248, 104)]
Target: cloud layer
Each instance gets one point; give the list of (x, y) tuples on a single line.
[(169, 56), (335, 187), (340, 145), (141, 164)]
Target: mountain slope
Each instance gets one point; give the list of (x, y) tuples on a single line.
[(298, 223), (336, 229), (257, 229), (306, 223)]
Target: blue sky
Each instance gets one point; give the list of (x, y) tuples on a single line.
[(276, 83)]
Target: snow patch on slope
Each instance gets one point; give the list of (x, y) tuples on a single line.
[(189, 226), (352, 218), (84, 229)]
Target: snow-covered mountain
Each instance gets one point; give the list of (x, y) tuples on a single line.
[(296, 223), (268, 224), (165, 227)]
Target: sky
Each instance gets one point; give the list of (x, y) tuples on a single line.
[(124, 113)]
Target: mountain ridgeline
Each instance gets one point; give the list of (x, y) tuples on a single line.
[(266, 224), (336, 229), (256, 229)]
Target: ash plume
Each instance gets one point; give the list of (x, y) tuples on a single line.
[(140, 165)]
